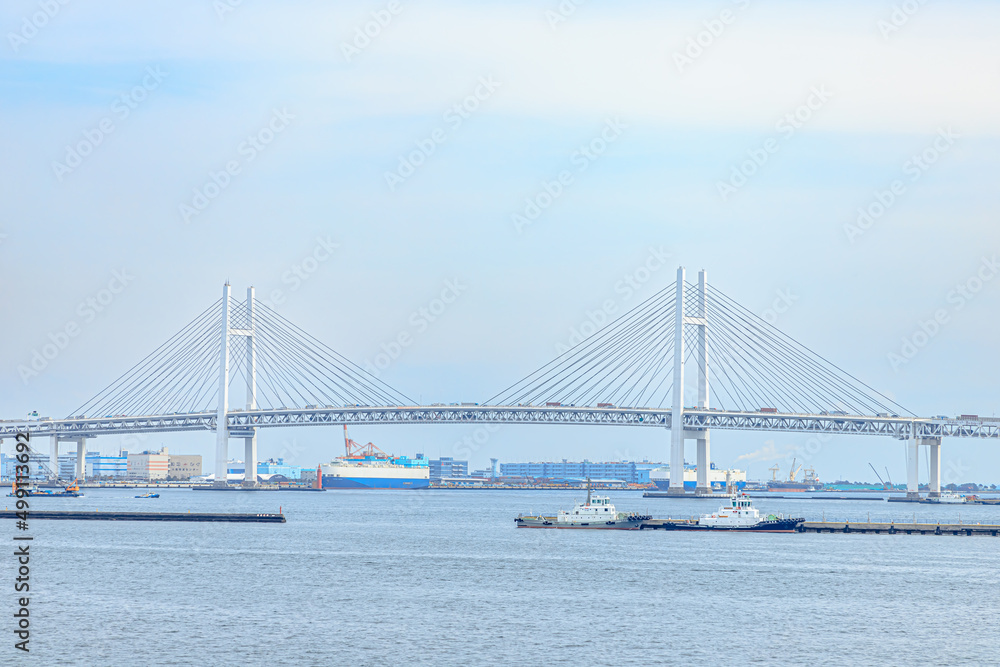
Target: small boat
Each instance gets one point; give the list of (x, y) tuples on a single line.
[(149, 494), (739, 515), (596, 513)]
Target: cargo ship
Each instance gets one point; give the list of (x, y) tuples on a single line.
[(809, 480), (368, 467), (716, 478)]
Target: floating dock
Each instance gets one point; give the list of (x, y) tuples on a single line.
[(933, 501), (967, 529), (686, 496), (866, 527), (146, 516)]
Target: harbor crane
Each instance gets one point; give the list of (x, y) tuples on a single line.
[(355, 449), (794, 471)]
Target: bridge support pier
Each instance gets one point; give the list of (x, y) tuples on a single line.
[(704, 487), (913, 468), (250, 461), (935, 471), (54, 455), (81, 459)]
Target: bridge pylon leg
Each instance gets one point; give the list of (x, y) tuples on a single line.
[(677, 413), (221, 425), (703, 486)]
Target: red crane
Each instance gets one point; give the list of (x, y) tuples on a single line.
[(355, 449)]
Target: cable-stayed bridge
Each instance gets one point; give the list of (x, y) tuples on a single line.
[(689, 359)]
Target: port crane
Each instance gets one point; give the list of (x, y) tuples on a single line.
[(355, 449), (794, 471), (35, 458), (885, 487)]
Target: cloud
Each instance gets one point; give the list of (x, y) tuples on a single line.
[(769, 452)]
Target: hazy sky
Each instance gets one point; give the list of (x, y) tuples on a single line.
[(739, 137)]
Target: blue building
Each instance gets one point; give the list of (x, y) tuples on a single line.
[(38, 463), (628, 471), (97, 465), (447, 466)]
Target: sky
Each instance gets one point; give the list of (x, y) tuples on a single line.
[(832, 166)]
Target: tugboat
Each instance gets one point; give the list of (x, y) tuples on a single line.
[(946, 498), (740, 515), (596, 513)]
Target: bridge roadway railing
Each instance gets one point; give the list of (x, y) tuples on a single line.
[(694, 419)]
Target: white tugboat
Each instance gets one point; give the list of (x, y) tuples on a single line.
[(596, 513), (946, 498), (740, 515)]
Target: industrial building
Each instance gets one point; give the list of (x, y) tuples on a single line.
[(447, 466), (96, 465), (183, 466), (36, 463), (149, 465), (629, 471)]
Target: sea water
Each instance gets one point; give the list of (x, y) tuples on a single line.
[(445, 578)]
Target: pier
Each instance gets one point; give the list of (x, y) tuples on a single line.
[(149, 516), (892, 528), (865, 527)]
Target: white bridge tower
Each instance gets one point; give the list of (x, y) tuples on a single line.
[(222, 432), (678, 434)]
